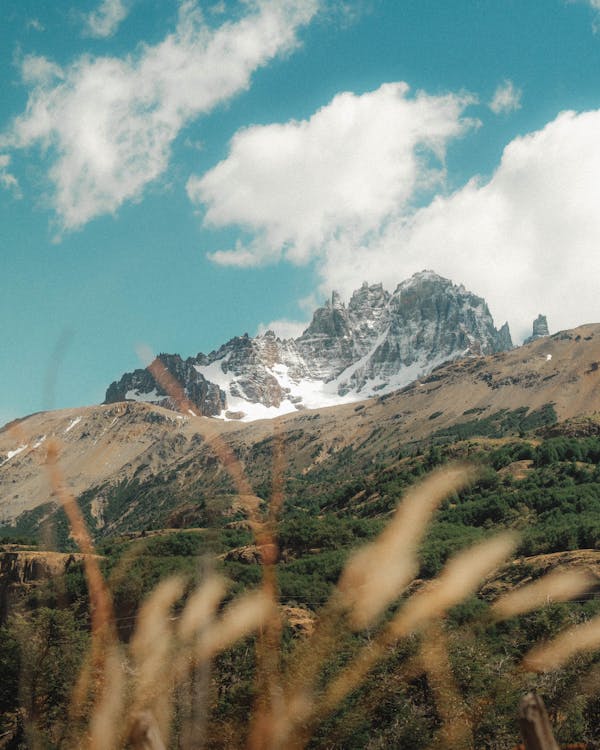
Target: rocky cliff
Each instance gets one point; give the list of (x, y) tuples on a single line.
[(378, 342), (539, 329)]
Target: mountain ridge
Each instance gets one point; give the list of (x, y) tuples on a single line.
[(109, 446), (377, 343)]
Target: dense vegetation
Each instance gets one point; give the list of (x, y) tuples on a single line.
[(547, 488)]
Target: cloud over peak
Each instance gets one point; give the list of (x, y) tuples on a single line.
[(526, 239), (342, 188), (359, 160), (108, 123)]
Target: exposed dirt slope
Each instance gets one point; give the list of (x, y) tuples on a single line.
[(110, 443)]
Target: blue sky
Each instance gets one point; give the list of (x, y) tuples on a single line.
[(176, 173)]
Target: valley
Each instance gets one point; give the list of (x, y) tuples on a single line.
[(165, 493)]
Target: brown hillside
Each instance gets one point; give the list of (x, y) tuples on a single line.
[(113, 442)]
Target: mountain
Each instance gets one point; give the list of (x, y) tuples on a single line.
[(133, 464), (377, 343)]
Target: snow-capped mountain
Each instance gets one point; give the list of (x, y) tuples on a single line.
[(375, 344)]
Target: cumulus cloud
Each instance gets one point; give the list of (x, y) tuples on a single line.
[(337, 190), (527, 239), (356, 162), (7, 180), (108, 123), (38, 70), (106, 19), (507, 98)]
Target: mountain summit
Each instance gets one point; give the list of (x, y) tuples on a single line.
[(375, 344)]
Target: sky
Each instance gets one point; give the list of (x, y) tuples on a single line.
[(174, 173)]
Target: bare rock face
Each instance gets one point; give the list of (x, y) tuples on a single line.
[(140, 385), (376, 343), (20, 569), (539, 329), (504, 340), (428, 321)]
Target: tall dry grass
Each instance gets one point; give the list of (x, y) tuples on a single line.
[(128, 694), (131, 691)]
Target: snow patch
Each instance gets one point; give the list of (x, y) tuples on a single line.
[(75, 421), (314, 393), (548, 357), (12, 454), (39, 442)]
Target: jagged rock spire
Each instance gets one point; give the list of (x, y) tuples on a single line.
[(539, 329)]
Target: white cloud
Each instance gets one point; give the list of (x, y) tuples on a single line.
[(507, 98), (336, 190), (36, 70), (7, 180), (35, 24), (108, 123), (218, 8), (285, 329), (356, 162), (527, 240), (106, 19)]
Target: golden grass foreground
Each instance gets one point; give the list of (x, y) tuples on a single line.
[(125, 696)]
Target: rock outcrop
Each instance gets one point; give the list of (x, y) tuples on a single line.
[(20, 569), (141, 385), (539, 329)]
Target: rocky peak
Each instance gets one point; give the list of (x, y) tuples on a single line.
[(336, 301), (504, 338), (376, 343), (539, 329), (140, 385), (429, 320), (368, 297)]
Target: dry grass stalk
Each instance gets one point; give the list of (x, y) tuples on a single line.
[(191, 677), (552, 655), (303, 671), (201, 607), (269, 700), (535, 725), (243, 616), (456, 731), (177, 393), (265, 538), (457, 580), (145, 734), (107, 719), (557, 586), (193, 680), (94, 678), (101, 603), (377, 574), (151, 650), (361, 589)]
